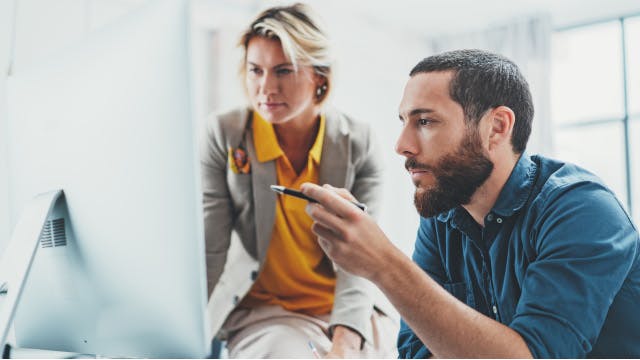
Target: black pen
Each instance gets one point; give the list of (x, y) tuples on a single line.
[(286, 191)]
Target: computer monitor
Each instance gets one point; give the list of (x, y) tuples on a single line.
[(121, 271)]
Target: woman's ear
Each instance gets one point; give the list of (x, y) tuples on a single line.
[(322, 87), (501, 121)]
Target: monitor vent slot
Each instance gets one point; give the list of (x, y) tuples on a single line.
[(53, 234)]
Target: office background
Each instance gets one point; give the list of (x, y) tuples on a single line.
[(582, 58)]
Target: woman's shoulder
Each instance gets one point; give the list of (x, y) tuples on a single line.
[(227, 124), (346, 124), (234, 118)]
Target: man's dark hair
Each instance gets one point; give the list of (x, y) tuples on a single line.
[(482, 81)]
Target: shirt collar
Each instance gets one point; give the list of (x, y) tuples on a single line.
[(267, 148), (514, 194), (517, 189), (265, 140)]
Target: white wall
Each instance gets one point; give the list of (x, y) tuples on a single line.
[(6, 14), (43, 28)]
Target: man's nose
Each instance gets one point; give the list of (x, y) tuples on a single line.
[(406, 144)]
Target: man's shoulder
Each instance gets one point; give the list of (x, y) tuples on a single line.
[(556, 173), (560, 180), (568, 191)]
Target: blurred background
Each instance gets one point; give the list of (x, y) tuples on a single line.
[(581, 58)]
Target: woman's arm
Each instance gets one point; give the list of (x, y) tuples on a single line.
[(218, 213), (353, 306)]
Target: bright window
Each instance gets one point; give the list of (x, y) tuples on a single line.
[(595, 105), (587, 74)]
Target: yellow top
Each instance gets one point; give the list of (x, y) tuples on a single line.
[(296, 274)]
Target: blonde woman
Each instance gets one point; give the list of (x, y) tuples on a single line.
[(274, 293)]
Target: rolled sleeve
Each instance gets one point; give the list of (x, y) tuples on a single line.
[(585, 245)]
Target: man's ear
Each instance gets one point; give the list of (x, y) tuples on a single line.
[(501, 121)]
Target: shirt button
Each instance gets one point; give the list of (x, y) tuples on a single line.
[(236, 300), (495, 310), (499, 220), (489, 217)]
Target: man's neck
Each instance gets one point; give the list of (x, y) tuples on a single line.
[(486, 196)]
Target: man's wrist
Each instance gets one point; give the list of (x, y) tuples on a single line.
[(395, 261)]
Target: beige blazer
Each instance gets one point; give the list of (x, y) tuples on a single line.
[(239, 211)]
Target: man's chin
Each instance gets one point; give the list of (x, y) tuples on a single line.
[(430, 203), (422, 188)]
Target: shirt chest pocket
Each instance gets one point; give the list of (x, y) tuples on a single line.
[(459, 290)]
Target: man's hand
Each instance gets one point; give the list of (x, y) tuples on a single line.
[(353, 240), (349, 236), (346, 343)]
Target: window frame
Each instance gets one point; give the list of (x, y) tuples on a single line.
[(626, 116)]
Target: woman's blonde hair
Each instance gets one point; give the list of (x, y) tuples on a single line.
[(303, 40)]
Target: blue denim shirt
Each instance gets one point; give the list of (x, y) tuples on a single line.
[(557, 261)]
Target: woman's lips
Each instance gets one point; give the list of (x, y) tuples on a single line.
[(272, 105)]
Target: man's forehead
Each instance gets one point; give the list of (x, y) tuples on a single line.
[(423, 89)]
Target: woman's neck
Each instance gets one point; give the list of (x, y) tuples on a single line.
[(296, 139), (298, 134)]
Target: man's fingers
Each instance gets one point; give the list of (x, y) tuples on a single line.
[(323, 217), (330, 200), (325, 245), (325, 233), (344, 193)]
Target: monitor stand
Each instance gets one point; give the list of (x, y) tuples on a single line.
[(18, 256)]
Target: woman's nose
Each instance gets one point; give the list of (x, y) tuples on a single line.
[(269, 84)]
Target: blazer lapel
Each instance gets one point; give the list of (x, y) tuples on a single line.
[(264, 199), (336, 152)]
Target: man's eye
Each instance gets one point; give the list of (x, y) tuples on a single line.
[(424, 122)]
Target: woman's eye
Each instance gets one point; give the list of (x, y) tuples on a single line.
[(255, 71), (284, 71)]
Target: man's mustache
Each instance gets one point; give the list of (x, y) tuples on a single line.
[(413, 164)]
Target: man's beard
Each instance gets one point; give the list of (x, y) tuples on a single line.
[(457, 177)]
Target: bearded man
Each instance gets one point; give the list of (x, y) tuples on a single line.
[(517, 255)]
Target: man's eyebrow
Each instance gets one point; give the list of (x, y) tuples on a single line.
[(418, 111)]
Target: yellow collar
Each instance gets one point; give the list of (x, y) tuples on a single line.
[(268, 149)]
